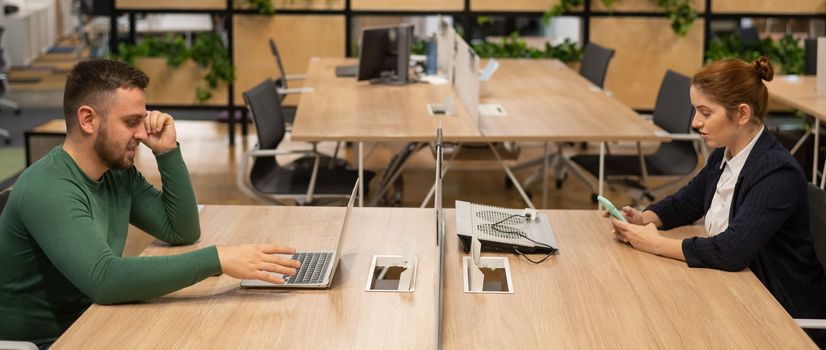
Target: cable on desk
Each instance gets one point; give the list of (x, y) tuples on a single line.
[(553, 251)]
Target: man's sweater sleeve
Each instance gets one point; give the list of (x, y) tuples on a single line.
[(60, 220), (170, 215)]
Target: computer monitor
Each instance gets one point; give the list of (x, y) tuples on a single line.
[(384, 56)]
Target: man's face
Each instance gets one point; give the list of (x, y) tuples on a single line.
[(122, 129)]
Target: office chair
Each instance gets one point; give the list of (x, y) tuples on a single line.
[(679, 158), (817, 228), (283, 81), (302, 180), (5, 344), (748, 35), (594, 65), (810, 56)]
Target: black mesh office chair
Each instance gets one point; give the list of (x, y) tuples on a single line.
[(311, 177), (282, 83), (595, 61), (817, 230), (810, 56), (672, 112)]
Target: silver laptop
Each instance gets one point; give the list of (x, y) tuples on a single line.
[(317, 268)]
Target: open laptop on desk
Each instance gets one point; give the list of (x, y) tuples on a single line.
[(317, 268)]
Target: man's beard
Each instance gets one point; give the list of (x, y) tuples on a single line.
[(107, 150)]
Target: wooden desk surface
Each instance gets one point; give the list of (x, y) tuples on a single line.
[(599, 293), (349, 110), (545, 101), (798, 91), (216, 313)]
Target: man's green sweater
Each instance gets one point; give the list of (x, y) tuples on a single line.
[(62, 236)]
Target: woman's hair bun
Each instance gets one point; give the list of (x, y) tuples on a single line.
[(763, 68)]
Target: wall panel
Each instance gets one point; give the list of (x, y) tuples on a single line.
[(645, 49), (299, 37), (176, 86), (171, 4), (768, 6), (298, 5), (408, 5), (513, 5), (638, 6)]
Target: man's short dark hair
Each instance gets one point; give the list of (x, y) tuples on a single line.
[(94, 82)]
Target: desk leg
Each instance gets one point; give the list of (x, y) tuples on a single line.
[(601, 169), (513, 178), (816, 133), (545, 178), (445, 166), (361, 173)]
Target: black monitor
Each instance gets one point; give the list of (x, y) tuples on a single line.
[(384, 56)]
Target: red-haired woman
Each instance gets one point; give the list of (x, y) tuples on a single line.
[(751, 192)]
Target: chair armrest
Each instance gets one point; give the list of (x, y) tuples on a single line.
[(811, 323), (17, 345), (275, 152), (681, 137), (292, 91), (295, 77)]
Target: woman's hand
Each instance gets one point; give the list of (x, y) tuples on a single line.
[(646, 238)]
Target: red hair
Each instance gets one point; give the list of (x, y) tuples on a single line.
[(731, 82)]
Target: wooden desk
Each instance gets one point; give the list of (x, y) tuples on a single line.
[(799, 91), (547, 101), (599, 293), (216, 313), (544, 99)]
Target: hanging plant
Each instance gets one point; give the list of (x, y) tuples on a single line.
[(207, 51), (679, 12)]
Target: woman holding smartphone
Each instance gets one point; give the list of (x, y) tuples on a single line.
[(751, 192)]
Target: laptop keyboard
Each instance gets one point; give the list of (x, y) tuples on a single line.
[(313, 267)]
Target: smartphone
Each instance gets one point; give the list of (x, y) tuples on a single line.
[(611, 208)]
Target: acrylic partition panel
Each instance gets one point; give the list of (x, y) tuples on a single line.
[(466, 81)]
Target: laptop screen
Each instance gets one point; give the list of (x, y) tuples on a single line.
[(347, 217)]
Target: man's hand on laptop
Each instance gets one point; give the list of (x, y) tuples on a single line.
[(255, 261)]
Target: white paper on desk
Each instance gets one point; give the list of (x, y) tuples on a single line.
[(821, 66), (434, 79)]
